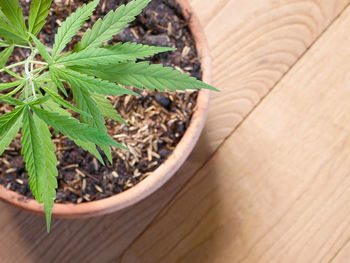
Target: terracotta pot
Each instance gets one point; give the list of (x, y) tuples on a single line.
[(160, 176)]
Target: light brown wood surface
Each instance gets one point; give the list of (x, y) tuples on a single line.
[(269, 179)]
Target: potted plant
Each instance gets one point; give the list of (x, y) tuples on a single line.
[(55, 91)]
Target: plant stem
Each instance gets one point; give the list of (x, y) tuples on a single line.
[(28, 69), (32, 82), (22, 46), (13, 66), (21, 63), (37, 62)]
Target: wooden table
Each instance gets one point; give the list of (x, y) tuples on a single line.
[(270, 178)]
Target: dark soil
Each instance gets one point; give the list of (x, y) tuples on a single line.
[(157, 120)]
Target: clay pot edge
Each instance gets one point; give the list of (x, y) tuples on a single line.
[(162, 174)]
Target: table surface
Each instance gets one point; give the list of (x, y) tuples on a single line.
[(270, 178)]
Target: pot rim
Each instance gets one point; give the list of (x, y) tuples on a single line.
[(162, 174)]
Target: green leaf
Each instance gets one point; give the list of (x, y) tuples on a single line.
[(13, 101), (13, 12), (8, 31), (48, 181), (104, 29), (4, 44), (54, 76), (107, 109), (10, 123), (74, 129), (12, 73), (111, 55), (4, 86), (38, 101), (42, 49), (63, 102), (108, 152), (87, 146), (39, 10), (4, 56), (133, 51), (8, 95), (39, 155), (70, 27), (90, 83), (84, 102), (32, 152), (143, 75)]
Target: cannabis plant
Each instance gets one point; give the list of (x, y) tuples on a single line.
[(92, 71)]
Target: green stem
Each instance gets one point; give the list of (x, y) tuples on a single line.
[(26, 94), (37, 62), (28, 69), (13, 66), (30, 45), (22, 46), (22, 63)]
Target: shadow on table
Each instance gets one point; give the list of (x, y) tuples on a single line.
[(101, 239), (190, 228)]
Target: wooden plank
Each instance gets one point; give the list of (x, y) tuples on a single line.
[(342, 255), (251, 53), (278, 189), (254, 43)]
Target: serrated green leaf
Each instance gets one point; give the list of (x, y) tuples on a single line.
[(39, 10), (90, 83), (143, 75), (13, 12), (74, 129), (54, 76), (10, 123), (13, 101), (4, 56), (111, 55), (87, 146), (39, 155), (48, 180), (63, 102), (85, 102), (8, 31), (107, 109), (104, 29), (42, 49), (70, 27), (133, 51), (32, 152)]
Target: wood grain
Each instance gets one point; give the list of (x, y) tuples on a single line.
[(254, 44), (278, 189)]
